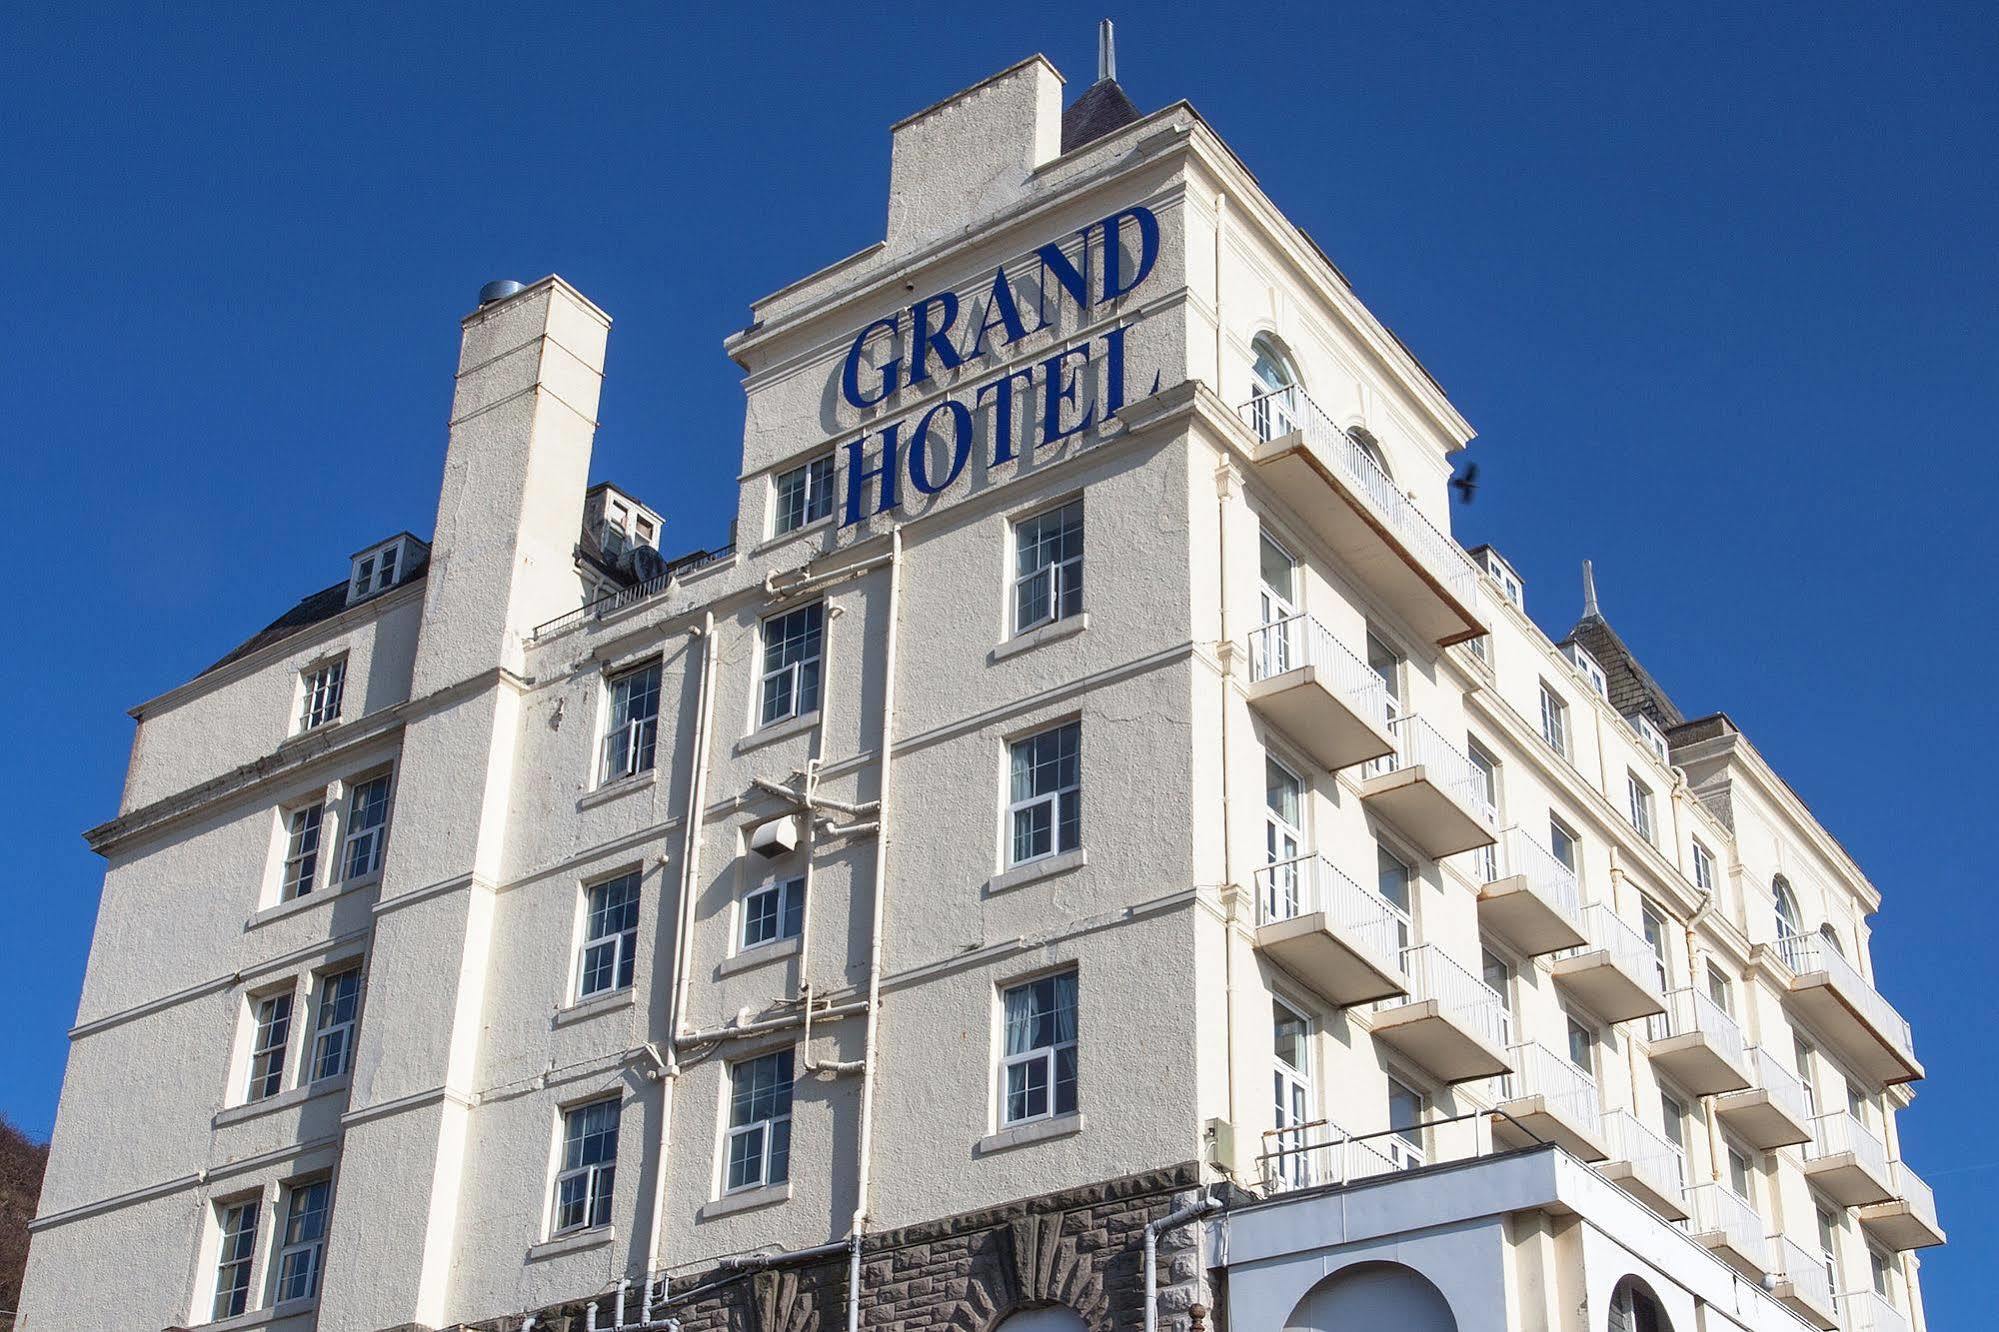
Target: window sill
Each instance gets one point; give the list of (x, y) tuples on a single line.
[(595, 1006), (1022, 1135), (746, 1201), (778, 730), (1036, 870), (284, 1100), (291, 906), (757, 956), (259, 1317), (579, 1241), (623, 786), (795, 534), (1053, 632)]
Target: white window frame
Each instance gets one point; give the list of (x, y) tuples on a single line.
[(322, 691), (622, 942), (1278, 649), (1586, 666), (1639, 794), (311, 1249), (796, 696), (1721, 989), (813, 480), (1404, 1142), (631, 722), (333, 1030), (1283, 841), (304, 833), (1591, 1038), (1294, 1093), (1554, 719), (1486, 766), (1560, 830), (767, 1130), (1703, 866), (574, 1124), (1062, 571), (367, 841), (1055, 799), (235, 1271), (788, 912), (1047, 1056), (267, 1070)]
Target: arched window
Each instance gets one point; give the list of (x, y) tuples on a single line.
[(1370, 447), (1831, 937), (1373, 1295), (1634, 1308), (1272, 367), (1051, 1318), (1789, 923), (1275, 409)]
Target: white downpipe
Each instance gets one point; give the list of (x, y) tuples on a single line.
[(1153, 1230), (1224, 489), (690, 860), (868, 1059)]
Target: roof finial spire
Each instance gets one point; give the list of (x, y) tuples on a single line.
[(1589, 592), (1106, 52)]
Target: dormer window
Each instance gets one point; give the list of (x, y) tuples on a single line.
[(382, 567), (1587, 667), (1650, 734), (1502, 573)]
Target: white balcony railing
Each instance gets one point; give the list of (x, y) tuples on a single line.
[(1570, 1092), (1865, 1311), (1310, 1155), (1718, 1209), (1627, 947), (1419, 744), (1806, 953), (1459, 995), (1311, 883), (1272, 415), (1299, 640), (1838, 1131), (1911, 1189), (1689, 1011), (1787, 1090), (1551, 880), (1653, 1159), (1806, 1271)]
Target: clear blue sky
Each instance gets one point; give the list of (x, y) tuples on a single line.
[(1717, 289)]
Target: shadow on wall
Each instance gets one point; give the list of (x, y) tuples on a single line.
[(1374, 1295)]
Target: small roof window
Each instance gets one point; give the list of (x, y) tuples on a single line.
[(381, 567)]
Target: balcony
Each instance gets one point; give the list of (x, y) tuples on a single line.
[(1307, 1156), (1452, 1024), (1614, 974), (1909, 1219), (1430, 790), (1355, 508), (1830, 994), (1333, 935), (1774, 1111), (1645, 1165), (1535, 904), (1549, 1099), (1847, 1162), (1699, 1046), (1307, 685), (1864, 1311), (1731, 1229), (1804, 1285)]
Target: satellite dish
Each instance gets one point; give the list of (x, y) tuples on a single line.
[(647, 564)]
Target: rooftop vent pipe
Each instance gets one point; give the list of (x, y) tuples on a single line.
[(499, 291)]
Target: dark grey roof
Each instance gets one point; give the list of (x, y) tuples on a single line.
[(1102, 109), (1632, 688), (321, 606)]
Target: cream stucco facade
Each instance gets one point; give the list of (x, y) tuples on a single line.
[(1318, 757)]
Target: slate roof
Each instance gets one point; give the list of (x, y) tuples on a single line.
[(321, 606), (1632, 688), (1102, 109)]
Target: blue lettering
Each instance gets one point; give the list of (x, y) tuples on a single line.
[(923, 340), (1002, 391), (1113, 371), (919, 446), (1148, 250), (1057, 389), (850, 376), (1001, 305), (1056, 262), (886, 469)]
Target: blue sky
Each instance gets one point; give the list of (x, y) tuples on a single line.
[(1716, 287)]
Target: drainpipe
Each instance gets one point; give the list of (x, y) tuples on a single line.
[(1153, 1230), (1223, 489), (690, 860), (868, 1055)]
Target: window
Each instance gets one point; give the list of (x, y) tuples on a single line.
[(1405, 1120), (302, 851), (1829, 1244), (643, 532), (1038, 1076), (1652, 737), (1634, 1309), (1386, 662), (1703, 868), (333, 1025), (1587, 667), (232, 1264), (1653, 922), (773, 912), (1392, 876), (271, 1035), (367, 825), (759, 1152), (1283, 811), (1562, 840), (1291, 1037), (1673, 1118), (1048, 567), (1788, 921), (1801, 1050), (1275, 406), (610, 935), (804, 495), (1485, 781), (631, 740), (1641, 804), (1279, 642), (1720, 989), (1831, 937), (589, 1166), (791, 664), (1740, 1177), (1497, 975), (1554, 720), (1045, 816), (324, 686), (1582, 1047), (304, 1251), (1881, 1267)]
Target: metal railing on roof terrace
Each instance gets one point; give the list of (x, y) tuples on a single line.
[(1276, 414), (631, 596), (1806, 953), (1322, 1153)]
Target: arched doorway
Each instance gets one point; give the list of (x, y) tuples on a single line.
[(1052, 1318), (1634, 1308), (1373, 1297)]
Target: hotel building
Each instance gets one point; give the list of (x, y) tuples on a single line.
[(1089, 849)]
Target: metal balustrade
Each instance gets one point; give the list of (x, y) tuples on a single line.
[(1689, 1011), (1421, 745), (1838, 1131), (1275, 414), (1805, 1272), (1911, 1189), (1719, 1210), (1551, 880), (1300, 640), (1866, 1311), (1306, 1156), (1657, 1162), (1458, 994), (1807, 953), (631, 596), (1786, 1088), (1627, 947), (1570, 1092), (1307, 884)]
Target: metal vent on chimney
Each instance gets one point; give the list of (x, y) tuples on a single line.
[(499, 291)]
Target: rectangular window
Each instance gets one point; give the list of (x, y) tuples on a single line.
[(1879, 1266), (1653, 926), (1829, 1245), (1703, 868), (232, 1264), (302, 851), (271, 1038), (804, 495), (773, 912), (1039, 1073), (1720, 989), (1485, 775), (1739, 1174), (324, 686), (304, 1250), (1641, 804), (1405, 1119), (1291, 1035), (1048, 567), (1045, 815), (791, 664), (631, 735), (367, 827), (1562, 840), (1283, 842), (589, 1167), (610, 935), (1392, 877), (1554, 720), (333, 1025), (1582, 1047), (759, 1152)]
